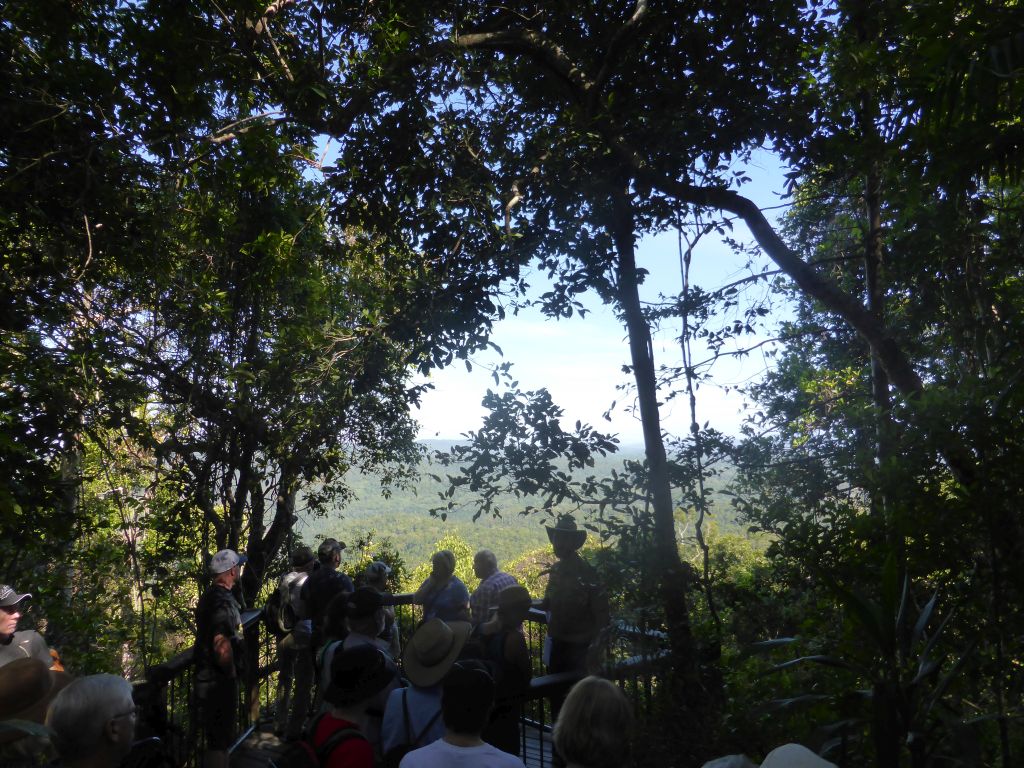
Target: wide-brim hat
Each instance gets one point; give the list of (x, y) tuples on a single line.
[(566, 530), (433, 649), (794, 756), (27, 686), (357, 674), (9, 596)]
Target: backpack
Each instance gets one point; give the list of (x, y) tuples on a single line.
[(302, 753), (395, 754), (279, 613)]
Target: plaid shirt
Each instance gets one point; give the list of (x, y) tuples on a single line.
[(485, 596)]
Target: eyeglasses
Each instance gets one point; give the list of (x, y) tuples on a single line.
[(12, 609)]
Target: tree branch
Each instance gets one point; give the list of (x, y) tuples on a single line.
[(628, 30), (535, 45)]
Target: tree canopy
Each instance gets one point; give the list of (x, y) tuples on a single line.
[(233, 233)]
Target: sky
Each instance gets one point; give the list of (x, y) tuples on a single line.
[(579, 360)]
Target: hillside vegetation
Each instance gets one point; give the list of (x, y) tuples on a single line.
[(404, 515)]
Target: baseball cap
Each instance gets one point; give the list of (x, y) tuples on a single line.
[(9, 596), (377, 571), (225, 560)]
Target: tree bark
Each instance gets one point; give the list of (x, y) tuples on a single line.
[(673, 576)]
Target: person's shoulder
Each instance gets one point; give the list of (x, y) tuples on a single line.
[(425, 757), (498, 759)]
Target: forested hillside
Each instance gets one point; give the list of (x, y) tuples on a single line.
[(404, 514)]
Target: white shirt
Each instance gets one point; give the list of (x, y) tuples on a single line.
[(441, 754)]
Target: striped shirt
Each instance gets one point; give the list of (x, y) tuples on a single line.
[(485, 596)]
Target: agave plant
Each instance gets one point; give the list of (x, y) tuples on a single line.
[(903, 680)]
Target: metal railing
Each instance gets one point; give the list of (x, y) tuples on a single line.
[(170, 710), (167, 698)]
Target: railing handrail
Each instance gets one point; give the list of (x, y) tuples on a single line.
[(161, 678)]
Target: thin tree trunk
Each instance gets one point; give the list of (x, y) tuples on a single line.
[(673, 577)]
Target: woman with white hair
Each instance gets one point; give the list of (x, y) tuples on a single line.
[(93, 722)]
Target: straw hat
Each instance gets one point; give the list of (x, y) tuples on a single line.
[(565, 529), (432, 650)]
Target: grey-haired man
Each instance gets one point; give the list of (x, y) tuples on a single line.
[(14, 644), (218, 656)]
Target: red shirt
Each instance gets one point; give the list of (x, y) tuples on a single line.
[(351, 753)]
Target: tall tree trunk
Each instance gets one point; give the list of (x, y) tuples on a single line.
[(673, 576)]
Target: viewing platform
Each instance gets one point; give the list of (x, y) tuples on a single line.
[(171, 732)]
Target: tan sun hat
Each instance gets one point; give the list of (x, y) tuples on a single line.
[(433, 649)]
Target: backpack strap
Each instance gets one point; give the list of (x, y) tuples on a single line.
[(405, 716), (335, 740), (332, 647), (426, 728), (310, 731)]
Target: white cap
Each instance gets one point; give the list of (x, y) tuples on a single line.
[(794, 756), (225, 560)]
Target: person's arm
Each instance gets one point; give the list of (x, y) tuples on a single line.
[(426, 589), (223, 654)]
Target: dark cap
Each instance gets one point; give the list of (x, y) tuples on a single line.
[(357, 674), (327, 549), (9, 596), (365, 601)]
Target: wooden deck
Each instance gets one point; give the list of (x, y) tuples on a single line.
[(262, 747)]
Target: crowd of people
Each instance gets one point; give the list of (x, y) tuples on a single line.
[(349, 694), (453, 694)]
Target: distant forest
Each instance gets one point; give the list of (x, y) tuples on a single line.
[(405, 518)]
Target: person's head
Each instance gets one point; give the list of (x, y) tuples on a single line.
[(226, 566), (467, 695), (303, 558), (565, 536), (365, 611), (443, 564), (357, 675), (329, 552), (432, 650), (594, 725), (376, 575), (94, 717), (27, 686), (484, 563), (513, 605), (12, 607)]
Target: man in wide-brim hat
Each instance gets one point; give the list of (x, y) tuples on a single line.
[(412, 717), (575, 600), (566, 534)]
